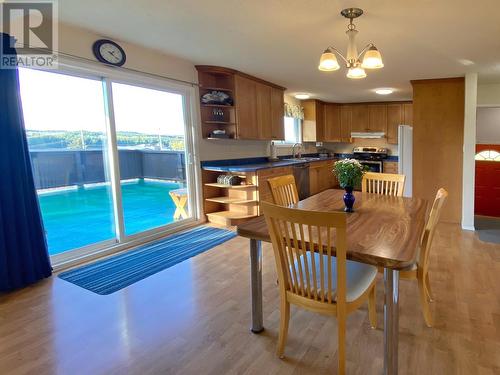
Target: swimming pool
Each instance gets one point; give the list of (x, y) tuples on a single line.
[(77, 217)]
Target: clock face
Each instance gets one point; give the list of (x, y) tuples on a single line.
[(109, 52)]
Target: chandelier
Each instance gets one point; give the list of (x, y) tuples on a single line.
[(356, 69)]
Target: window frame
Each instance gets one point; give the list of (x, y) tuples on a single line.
[(298, 130)]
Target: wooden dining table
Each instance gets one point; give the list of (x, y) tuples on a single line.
[(383, 231)]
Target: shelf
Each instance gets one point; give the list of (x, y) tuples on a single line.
[(231, 200), (215, 89), (229, 218), (217, 105), (229, 186), (218, 139), (219, 122)]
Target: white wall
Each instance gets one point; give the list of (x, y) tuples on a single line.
[(488, 125), (488, 94)]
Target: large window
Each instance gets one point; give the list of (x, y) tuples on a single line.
[(292, 130), (109, 159)]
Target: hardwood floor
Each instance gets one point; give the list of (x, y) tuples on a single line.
[(194, 319)]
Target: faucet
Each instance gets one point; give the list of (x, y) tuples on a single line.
[(299, 153)]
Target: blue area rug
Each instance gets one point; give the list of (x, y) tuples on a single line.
[(115, 273)]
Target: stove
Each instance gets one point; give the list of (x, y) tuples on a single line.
[(372, 157)]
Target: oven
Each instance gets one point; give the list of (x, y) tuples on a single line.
[(376, 166)]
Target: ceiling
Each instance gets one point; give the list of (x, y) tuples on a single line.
[(282, 40)]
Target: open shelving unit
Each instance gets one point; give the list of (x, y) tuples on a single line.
[(217, 116), (229, 205)]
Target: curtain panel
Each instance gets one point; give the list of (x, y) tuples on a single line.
[(24, 256)]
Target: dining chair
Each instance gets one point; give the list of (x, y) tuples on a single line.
[(383, 183), (284, 190), (310, 253), (420, 270)]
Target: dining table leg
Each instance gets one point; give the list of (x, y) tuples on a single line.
[(391, 321), (256, 285)]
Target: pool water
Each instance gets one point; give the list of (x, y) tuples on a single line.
[(82, 216)]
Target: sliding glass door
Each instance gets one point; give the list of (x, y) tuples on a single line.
[(150, 135), (66, 130), (109, 159)]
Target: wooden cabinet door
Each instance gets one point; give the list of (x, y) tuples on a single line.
[(264, 118), (360, 118), (277, 114), (331, 123), (378, 118), (246, 108), (408, 114), (320, 121), (394, 119), (345, 123)]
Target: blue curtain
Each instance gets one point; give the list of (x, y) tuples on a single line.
[(24, 257)]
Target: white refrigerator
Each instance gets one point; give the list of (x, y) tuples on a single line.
[(405, 156)]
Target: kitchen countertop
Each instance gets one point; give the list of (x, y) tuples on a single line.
[(254, 164)]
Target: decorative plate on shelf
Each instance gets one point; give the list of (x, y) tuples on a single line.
[(217, 97)]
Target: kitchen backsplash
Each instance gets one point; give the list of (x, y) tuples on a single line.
[(347, 147)]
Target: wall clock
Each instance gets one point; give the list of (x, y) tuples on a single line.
[(109, 52)]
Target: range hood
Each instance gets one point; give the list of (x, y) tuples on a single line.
[(367, 135)]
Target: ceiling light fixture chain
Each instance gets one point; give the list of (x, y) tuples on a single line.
[(356, 69)]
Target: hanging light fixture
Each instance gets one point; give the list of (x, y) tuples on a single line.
[(356, 68)]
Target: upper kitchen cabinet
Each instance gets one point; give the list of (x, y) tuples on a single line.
[(254, 111), (378, 118), (397, 114), (330, 131), (360, 118), (345, 123), (277, 110), (408, 114)]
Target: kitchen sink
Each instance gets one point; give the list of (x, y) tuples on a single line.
[(303, 159)]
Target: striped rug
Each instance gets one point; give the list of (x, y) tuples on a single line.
[(115, 273)]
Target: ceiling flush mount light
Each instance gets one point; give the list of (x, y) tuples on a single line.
[(302, 96), (384, 91), (356, 67)]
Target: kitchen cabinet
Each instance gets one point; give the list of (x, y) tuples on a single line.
[(408, 114), (257, 112), (394, 119), (321, 176), (330, 131), (390, 167), (246, 111), (264, 118), (277, 110), (360, 118), (378, 118), (345, 123)]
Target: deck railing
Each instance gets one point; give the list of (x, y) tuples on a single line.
[(59, 168)]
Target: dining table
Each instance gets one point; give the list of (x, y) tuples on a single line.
[(383, 231)]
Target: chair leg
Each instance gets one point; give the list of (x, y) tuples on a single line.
[(428, 287), (372, 311), (284, 320), (424, 301), (341, 343)]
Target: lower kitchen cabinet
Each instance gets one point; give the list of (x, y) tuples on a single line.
[(263, 175), (321, 176)]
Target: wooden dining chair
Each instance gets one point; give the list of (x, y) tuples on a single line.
[(284, 190), (310, 253), (420, 270), (383, 183)]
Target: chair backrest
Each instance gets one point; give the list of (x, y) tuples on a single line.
[(383, 183), (284, 190), (430, 227), (297, 235)]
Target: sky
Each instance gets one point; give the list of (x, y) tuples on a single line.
[(53, 101)]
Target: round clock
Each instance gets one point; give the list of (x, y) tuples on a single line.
[(108, 52)]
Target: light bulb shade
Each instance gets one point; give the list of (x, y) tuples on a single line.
[(356, 73), (328, 62), (372, 59)]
